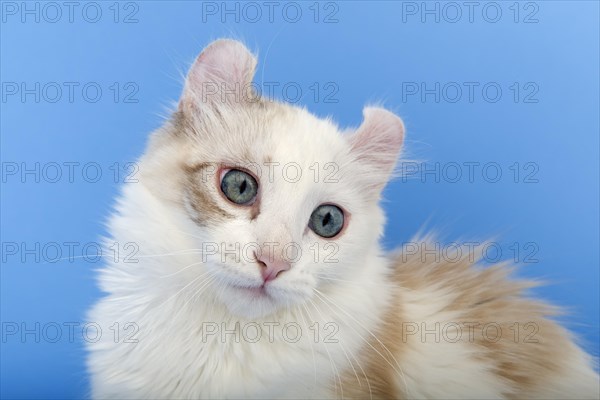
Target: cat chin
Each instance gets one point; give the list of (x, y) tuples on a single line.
[(248, 303), (257, 302)]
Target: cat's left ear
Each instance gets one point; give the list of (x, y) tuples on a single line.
[(376, 145), (222, 74)]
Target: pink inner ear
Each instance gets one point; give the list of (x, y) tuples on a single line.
[(378, 140), (224, 63), (224, 60)]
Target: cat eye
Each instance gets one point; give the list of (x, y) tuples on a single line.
[(326, 220), (239, 187)]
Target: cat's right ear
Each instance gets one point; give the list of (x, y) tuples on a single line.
[(222, 74)]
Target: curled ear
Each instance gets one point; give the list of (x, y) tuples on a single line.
[(222, 73), (376, 145)]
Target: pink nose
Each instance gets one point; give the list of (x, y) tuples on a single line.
[(271, 267)]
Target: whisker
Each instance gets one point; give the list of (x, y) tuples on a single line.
[(348, 358), (203, 288), (353, 356), (185, 286), (400, 372), (181, 270), (332, 362), (327, 278), (312, 349)]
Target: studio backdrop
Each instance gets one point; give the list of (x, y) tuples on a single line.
[(500, 101)]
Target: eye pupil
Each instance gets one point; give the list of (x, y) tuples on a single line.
[(243, 186), (327, 220)]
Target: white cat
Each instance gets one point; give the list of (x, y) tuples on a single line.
[(260, 274)]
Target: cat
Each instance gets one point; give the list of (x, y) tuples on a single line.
[(259, 272)]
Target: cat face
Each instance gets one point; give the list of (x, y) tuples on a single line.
[(282, 203)]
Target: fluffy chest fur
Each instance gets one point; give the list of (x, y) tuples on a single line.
[(176, 340)]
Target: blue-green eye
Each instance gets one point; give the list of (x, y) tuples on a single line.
[(239, 187), (326, 220)]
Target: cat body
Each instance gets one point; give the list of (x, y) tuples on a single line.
[(211, 309)]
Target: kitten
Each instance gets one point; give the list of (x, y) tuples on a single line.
[(260, 273)]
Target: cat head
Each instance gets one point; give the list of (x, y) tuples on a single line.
[(280, 202)]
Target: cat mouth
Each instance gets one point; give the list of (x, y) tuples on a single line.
[(253, 291)]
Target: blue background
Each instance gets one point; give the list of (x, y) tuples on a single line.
[(368, 53)]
